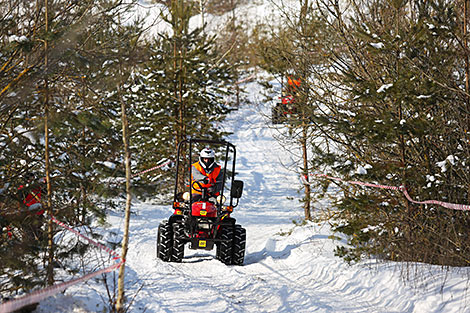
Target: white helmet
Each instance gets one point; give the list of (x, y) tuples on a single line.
[(207, 158)]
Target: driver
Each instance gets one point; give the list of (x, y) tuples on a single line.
[(207, 172)]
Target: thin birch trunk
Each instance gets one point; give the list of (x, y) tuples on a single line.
[(467, 69), (50, 228), (125, 242), (305, 172)]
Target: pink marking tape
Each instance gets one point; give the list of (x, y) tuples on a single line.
[(454, 206), (152, 169), (38, 295)]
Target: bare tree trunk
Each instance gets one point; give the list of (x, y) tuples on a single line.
[(180, 98), (304, 137), (125, 241), (467, 67), (305, 172), (50, 228), (465, 40), (178, 115), (176, 97), (402, 146), (201, 9), (237, 95)]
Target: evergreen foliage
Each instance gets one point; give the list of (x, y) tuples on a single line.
[(96, 59), (82, 41), (404, 117), (385, 99), (180, 92), (402, 114)]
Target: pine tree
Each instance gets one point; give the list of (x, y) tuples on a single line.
[(401, 74), (84, 138), (180, 92)]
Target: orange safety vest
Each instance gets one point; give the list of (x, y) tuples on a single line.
[(293, 82), (212, 176)]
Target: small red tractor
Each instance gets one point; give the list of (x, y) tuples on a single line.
[(205, 221)]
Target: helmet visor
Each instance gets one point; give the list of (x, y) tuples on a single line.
[(207, 163)]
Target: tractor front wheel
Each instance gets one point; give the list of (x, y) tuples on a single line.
[(164, 241), (239, 242), (225, 246), (177, 252)]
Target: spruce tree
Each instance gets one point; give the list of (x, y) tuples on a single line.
[(401, 75), (181, 91), (85, 39)]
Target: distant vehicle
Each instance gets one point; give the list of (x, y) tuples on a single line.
[(204, 223), (284, 110)]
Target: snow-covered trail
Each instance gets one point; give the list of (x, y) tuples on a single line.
[(281, 273), (287, 268)]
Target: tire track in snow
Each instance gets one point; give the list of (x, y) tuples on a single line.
[(301, 278), (282, 273)]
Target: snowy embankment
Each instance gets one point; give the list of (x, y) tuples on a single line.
[(287, 268)]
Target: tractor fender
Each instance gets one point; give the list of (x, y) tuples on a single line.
[(228, 220), (175, 218)]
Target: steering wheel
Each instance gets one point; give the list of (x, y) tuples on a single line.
[(198, 184)]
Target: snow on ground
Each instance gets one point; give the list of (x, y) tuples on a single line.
[(287, 268)]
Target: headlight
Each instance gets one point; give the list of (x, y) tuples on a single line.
[(204, 226), (221, 199)]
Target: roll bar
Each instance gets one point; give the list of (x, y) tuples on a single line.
[(191, 142)]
